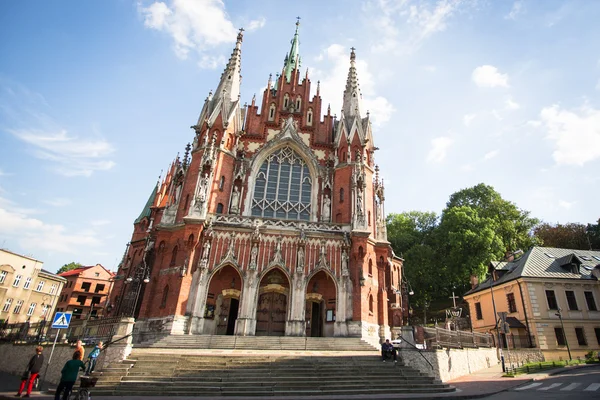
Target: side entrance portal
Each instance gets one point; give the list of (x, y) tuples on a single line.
[(228, 316), (270, 314)]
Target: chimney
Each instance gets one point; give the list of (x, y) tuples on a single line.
[(509, 256), (474, 281)]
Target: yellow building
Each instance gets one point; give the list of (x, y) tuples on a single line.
[(550, 297), (27, 292)]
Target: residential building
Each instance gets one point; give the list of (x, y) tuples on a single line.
[(537, 291), (27, 292), (86, 291), (272, 223)]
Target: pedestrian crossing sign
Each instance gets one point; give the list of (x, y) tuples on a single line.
[(61, 320)]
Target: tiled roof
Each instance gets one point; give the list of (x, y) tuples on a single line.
[(545, 262), (75, 271)]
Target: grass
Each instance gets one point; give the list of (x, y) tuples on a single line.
[(540, 366)]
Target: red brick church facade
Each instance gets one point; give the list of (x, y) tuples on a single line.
[(272, 223)]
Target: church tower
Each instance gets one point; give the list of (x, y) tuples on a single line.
[(273, 222)]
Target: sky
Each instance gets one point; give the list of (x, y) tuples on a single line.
[(97, 98)]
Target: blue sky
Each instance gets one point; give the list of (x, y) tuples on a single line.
[(96, 98)]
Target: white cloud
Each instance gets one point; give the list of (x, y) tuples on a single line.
[(333, 83), (575, 134), (468, 118), (497, 115), (511, 104), (256, 24), (58, 202), (211, 62), (516, 9), (100, 222), (491, 154), (74, 156), (489, 76), (34, 234), (197, 25), (430, 68), (402, 26), (439, 148), (566, 204), (534, 123)]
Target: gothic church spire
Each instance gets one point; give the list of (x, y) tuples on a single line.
[(352, 95), (292, 59)]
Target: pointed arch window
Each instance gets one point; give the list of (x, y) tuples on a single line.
[(283, 187), (309, 117), (341, 195), (272, 112), (165, 295), (286, 101), (298, 103), (174, 256)]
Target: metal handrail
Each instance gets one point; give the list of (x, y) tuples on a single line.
[(419, 350)]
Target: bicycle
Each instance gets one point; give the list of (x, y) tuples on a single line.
[(84, 393)]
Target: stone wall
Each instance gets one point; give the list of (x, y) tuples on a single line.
[(523, 356), (450, 364)]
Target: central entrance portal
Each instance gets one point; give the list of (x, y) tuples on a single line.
[(270, 314), (228, 316)]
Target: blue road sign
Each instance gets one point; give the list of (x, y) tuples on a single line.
[(61, 320)]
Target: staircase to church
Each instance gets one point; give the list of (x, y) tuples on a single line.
[(258, 343), (188, 371)]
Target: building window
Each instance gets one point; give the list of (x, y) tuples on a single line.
[(512, 304), (96, 274), (27, 283), (551, 298), (53, 288), (96, 300), (283, 187), (86, 286), (272, 112), (371, 303), (17, 280), (40, 286), (580, 336), (7, 305), (3, 276), (18, 307), (591, 302), (81, 300), (286, 100), (571, 300), (341, 195), (174, 256), (220, 208), (370, 271), (560, 336), (298, 103), (478, 313), (597, 332), (45, 308), (99, 288), (309, 117), (221, 183), (165, 295), (31, 309)]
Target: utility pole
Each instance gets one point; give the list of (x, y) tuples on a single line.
[(559, 315)]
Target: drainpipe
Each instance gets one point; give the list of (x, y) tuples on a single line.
[(525, 312)]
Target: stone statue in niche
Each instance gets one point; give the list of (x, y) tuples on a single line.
[(253, 256), (359, 201), (235, 200), (326, 208), (344, 263), (300, 264), (202, 189), (205, 252)]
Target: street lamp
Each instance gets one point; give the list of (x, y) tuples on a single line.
[(559, 315), (139, 278)]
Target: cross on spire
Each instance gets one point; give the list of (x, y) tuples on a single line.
[(298, 21), (453, 297)]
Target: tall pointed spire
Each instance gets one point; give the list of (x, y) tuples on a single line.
[(292, 59), (352, 96), (229, 86)]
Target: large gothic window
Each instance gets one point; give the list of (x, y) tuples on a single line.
[(283, 187)]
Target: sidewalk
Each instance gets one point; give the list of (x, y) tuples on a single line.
[(476, 385)]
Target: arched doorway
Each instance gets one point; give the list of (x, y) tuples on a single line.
[(320, 305), (272, 306), (223, 300)]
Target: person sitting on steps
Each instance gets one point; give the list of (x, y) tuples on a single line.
[(388, 350)]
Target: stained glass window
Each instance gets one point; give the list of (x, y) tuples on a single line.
[(283, 187)]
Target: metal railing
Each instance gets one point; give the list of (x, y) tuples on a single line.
[(438, 338)]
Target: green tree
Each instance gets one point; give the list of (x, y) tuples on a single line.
[(408, 229), (567, 236), (68, 267), (593, 233)]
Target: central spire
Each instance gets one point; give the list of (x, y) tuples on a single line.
[(292, 59), (352, 95)]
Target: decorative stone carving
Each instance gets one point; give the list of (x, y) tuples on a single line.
[(230, 255), (323, 257), (253, 256), (344, 263), (203, 264), (235, 200), (252, 222), (277, 257), (300, 263), (326, 215)]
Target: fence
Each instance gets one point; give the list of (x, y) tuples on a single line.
[(88, 331), (437, 338)]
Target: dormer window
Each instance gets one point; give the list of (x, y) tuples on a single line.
[(286, 100), (272, 112), (309, 117)]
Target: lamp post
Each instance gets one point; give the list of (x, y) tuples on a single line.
[(405, 291), (559, 315)]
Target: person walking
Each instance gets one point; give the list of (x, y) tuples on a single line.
[(93, 357), (31, 373), (69, 376)]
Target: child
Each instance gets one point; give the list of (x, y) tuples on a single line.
[(69, 376), (92, 358), (32, 372)]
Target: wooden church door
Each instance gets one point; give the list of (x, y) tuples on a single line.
[(270, 314), (227, 316)]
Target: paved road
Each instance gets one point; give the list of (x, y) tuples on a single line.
[(581, 383)]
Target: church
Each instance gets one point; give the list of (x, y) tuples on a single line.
[(272, 222)]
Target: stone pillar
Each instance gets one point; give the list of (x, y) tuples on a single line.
[(245, 325), (296, 325), (343, 306), (196, 321), (121, 345)]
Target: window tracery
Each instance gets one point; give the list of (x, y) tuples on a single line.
[(283, 187)]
